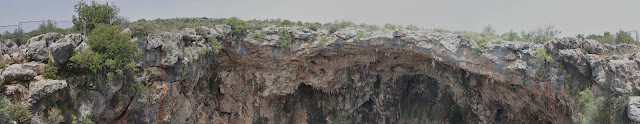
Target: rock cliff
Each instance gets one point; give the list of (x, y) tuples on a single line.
[(393, 76)]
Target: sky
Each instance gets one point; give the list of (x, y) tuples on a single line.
[(570, 16)]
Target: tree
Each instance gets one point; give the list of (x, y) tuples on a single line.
[(488, 30), (238, 27), (587, 105), (547, 30), (93, 14), (606, 38), (111, 52), (624, 37), (580, 36), (413, 27), (511, 36)]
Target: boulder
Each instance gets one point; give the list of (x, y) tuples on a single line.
[(300, 34), (172, 54), (192, 38), (43, 87), (17, 72), (224, 31), (9, 43), (271, 30), (18, 57), (209, 32), (400, 33), (82, 47), (76, 39), (37, 50), (346, 34), (633, 110), (60, 52), (37, 67), (14, 89), (157, 40), (47, 38), (4, 49), (620, 75)]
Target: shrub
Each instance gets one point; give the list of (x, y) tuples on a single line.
[(323, 41), (258, 35), (587, 105), (542, 39), (413, 27), (141, 28), (389, 26), (215, 44), (511, 36), (111, 52), (620, 109), (5, 105), (238, 27), (337, 25), (313, 26), (55, 116), (359, 36), (312, 37), (284, 38), (19, 113), (86, 121), (50, 71), (370, 27), (542, 56), (480, 44)]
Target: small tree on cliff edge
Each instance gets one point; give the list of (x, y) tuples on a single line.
[(238, 27), (111, 53), (95, 13)]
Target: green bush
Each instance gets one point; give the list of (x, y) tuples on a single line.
[(511, 36), (389, 26), (50, 71), (141, 28), (313, 26), (337, 25), (258, 35), (359, 36), (284, 38), (323, 41), (111, 53), (587, 105), (19, 113), (215, 44), (542, 56), (238, 27), (5, 110), (55, 116), (542, 39), (413, 27)]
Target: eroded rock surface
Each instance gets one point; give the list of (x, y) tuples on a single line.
[(395, 76)]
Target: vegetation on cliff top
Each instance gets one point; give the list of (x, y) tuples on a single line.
[(111, 53)]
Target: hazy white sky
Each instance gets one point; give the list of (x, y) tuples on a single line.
[(570, 16)]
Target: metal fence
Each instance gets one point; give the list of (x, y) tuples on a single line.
[(28, 26), (19, 31)]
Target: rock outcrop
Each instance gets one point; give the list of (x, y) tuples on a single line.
[(395, 76), (16, 72)]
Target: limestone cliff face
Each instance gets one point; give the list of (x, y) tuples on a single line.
[(386, 77)]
